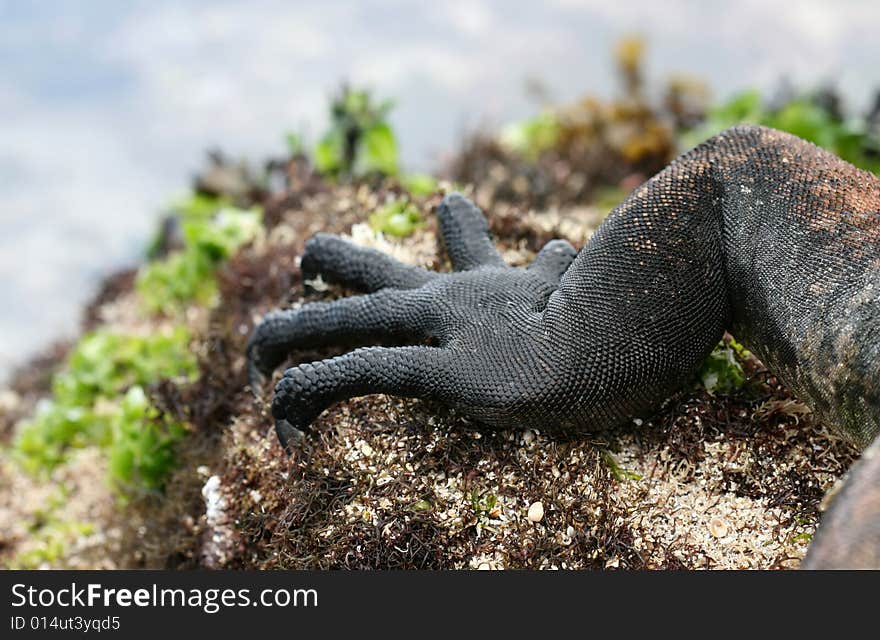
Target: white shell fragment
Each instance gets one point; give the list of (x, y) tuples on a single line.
[(718, 527), (536, 512)]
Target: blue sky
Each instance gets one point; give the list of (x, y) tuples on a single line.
[(107, 106)]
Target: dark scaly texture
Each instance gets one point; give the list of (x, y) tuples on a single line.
[(849, 537), (754, 231)]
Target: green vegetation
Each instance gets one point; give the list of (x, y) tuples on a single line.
[(295, 145), (421, 505), (396, 218), (419, 184), (360, 140), (50, 543), (165, 286), (533, 136), (99, 398), (141, 451), (483, 503), (212, 232), (617, 470), (198, 206), (805, 116), (805, 538), (722, 371), (105, 364), (486, 509), (85, 408), (49, 535)]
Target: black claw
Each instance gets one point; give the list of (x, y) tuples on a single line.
[(308, 262), (254, 373), (255, 379), (288, 435)]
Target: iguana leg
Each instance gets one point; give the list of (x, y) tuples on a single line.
[(753, 231)]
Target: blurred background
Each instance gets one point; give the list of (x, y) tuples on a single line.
[(108, 107)]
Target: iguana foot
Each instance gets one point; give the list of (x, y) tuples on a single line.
[(470, 336)]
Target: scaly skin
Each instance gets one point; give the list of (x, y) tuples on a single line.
[(849, 537), (754, 231)]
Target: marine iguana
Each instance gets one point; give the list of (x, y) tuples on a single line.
[(754, 231)]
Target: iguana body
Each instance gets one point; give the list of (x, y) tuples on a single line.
[(754, 231)]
